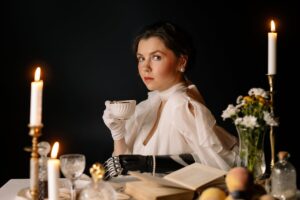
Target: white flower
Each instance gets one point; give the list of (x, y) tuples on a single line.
[(269, 119), (238, 121), (229, 112), (240, 105), (240, 100), (258, 92), (249, 121)]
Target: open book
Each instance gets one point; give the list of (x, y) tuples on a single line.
[(180, 184)]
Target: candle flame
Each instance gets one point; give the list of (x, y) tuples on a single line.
[(272, 26), (54, 150), (37, 74)]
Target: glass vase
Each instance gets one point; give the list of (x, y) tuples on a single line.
[(251, 150)]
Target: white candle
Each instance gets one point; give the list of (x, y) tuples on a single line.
[(272, 39), (53, 173), (36, 99)]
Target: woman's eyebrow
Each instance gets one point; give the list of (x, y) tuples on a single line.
[(157, 51), (151, 53)]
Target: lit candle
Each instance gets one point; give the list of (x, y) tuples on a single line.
[(36, 99), (272, 39), (53, 173)]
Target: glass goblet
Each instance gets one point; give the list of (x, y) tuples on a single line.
[(72, 167)]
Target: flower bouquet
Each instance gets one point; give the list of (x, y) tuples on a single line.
[(252, 117)]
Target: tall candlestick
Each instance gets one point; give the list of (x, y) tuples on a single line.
[(34, 132), (271, 79), (36, 99), (53, 173), (272, 40)]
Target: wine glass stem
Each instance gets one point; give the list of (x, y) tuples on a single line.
[(73, 191)]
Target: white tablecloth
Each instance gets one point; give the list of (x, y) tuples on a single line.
[(10, 190)]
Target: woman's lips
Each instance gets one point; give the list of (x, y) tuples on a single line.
[(147, 79)]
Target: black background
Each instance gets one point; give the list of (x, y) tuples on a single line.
[(84, 50)]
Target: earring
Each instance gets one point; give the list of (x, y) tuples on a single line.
[(182, 69)]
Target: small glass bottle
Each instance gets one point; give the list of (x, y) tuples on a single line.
[(43, 150), (98, 189), (283, 178)]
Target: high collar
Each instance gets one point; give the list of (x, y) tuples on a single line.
[(164, 95)]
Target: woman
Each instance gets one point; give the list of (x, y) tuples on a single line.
[(172, 127)]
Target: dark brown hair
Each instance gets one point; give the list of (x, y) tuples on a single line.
[(174, 38)]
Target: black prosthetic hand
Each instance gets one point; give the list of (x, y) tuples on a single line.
[(121, 164), (168, 163)]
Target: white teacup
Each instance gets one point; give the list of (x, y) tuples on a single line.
[(122, 109)]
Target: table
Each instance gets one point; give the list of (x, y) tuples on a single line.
[(12, 187)]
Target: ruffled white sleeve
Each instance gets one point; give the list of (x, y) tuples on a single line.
[(197, 125)]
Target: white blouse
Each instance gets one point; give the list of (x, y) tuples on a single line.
[(179, 129)]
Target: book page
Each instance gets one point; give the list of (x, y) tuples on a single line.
[(154, 180), (143, 190), (190, 177), (194, 176)]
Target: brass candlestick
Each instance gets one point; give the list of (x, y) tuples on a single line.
[(271, 79), (34, 132)]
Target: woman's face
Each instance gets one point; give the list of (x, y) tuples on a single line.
[(158, 66)]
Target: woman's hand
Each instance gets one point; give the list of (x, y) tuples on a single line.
[(116, 126)]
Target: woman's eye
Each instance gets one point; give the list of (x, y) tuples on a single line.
[(140, 59), (156, 57)]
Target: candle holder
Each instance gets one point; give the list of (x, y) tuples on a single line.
[(271, 79), (34, 132)]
